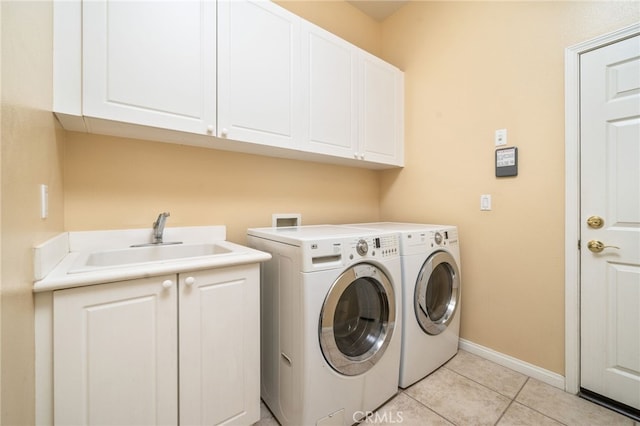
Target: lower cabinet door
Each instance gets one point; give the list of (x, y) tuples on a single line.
[(220, 346), (115, 353)]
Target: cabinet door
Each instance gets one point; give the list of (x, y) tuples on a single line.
[(329, 86), (115, 353), (151, 63), (220, 346), (381, 111), (258, 73)]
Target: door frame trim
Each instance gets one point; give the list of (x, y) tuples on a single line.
[(572, 197)]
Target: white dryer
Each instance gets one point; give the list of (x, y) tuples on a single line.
[(330, 322), (431, 288)]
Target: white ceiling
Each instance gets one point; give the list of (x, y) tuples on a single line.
[(378, 9)]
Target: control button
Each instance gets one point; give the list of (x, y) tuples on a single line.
[(362, 247)]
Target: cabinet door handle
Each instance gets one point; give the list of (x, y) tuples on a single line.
[(224, 132), (286, 358), (210, 130), (167, 283), (190, 281)]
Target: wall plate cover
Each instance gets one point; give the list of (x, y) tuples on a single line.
[(485, 202), (501, 137), (44, 201)]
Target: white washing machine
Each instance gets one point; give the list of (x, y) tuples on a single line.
[(431, 285), (330, 322)]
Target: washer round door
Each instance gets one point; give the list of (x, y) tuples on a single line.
[(357, 319), (437, 292)]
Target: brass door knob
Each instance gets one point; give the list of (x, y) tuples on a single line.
[(595, 222), (597, 246)]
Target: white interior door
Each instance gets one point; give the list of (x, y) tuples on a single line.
[(610, 190)]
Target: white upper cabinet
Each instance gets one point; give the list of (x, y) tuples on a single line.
[(382, 111), (353, 101), (258, 73), (329, 67), (239, 75), (151, 63)]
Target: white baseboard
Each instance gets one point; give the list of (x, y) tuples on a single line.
[(546, 376)]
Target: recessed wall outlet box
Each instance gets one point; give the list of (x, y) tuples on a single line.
[(44, 201), (286, 219), (501, 137), (485, 202)]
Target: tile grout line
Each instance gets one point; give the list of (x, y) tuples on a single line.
[(491, 390), (483, 385), (426, 406), (512, 401), (531, 408)]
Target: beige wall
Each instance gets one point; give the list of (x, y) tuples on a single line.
[(123, 183), (31, 155), (471, 68)]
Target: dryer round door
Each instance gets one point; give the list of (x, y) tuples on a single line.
[(357, 319), (437, 292)]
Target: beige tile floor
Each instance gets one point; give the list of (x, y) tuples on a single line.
[(469, 390)]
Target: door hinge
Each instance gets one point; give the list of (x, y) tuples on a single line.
[(579, 244)]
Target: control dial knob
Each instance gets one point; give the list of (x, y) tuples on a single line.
[(438, 238), (362, 247)]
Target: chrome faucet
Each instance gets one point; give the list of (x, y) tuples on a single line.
[(158, 230), (158, 227)]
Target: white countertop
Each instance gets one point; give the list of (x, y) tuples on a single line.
[(55, 258)]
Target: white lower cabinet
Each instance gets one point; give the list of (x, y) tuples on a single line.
[(219, 350), (173, 349)]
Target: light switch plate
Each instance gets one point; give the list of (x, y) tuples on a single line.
[(485, 202), (44, 201)]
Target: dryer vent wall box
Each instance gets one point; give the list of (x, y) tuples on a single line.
[(507, 162), (286, 219)]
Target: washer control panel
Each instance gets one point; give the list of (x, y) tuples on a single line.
[(443, 237), (331, 253), (382, 246)]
